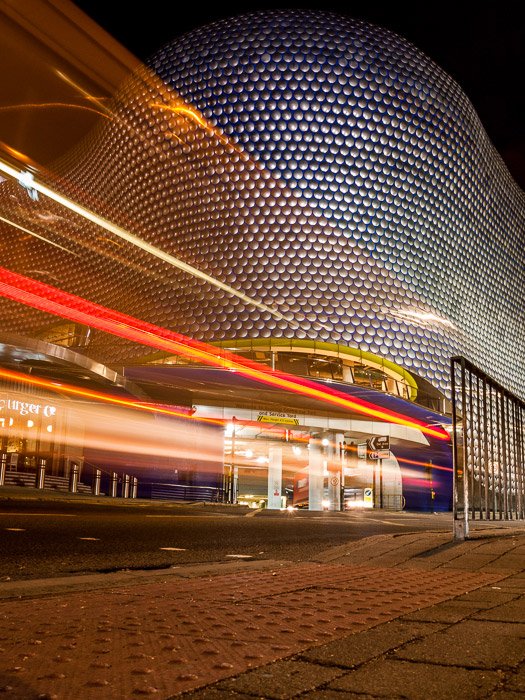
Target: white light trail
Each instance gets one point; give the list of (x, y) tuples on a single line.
[(36, 235), (16, 174)]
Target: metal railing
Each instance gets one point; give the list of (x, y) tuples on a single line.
[(183, 492), (102, 481), (488, 449)]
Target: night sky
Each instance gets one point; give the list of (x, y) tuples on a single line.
[(483, 49)]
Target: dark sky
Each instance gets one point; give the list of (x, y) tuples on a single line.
[(482, 46)]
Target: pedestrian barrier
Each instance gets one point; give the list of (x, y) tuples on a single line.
[(125, 486), (488, 449), (41, 477), (97, 476), (393, 502), (73, 477), (182, 492), (113, 485)]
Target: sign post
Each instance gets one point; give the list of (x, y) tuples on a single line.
[(379, 443), (378, 448)]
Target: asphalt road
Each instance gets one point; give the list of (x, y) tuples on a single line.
[(42, 538)]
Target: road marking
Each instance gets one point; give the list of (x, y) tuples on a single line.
[(240, 556), (89, 539), (173, 549), (15, 529)]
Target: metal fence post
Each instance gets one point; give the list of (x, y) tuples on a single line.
[(460, 514), (134, 486), (40, 474), (3, 467), (95, 487), (488, 448)]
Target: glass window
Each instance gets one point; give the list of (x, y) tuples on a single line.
[(263, 357), (69, 335), (368, 376), (293, 363), (325, 367)]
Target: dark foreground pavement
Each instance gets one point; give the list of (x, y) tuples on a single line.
[(393, 616)]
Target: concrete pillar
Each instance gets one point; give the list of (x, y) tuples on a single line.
[(315, 475), (275, 477)]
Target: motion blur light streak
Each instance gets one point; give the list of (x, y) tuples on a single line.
[(134, 240), (198, 119), (140, 438), (419, 317), (100, 396), (55, 301), (88, 96), (18, 154), (52, 105), (36, 235), (424, 464)]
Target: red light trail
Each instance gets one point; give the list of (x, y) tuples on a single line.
[(55, 301)]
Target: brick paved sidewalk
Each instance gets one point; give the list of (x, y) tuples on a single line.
[(408, 615)]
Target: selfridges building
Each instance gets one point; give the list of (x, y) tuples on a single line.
[(334, 189)]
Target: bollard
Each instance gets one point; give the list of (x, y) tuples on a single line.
[(73, 477), (125, 486), (113, 485), (3, 467), (40, 473), (134, 487), (95, 487)]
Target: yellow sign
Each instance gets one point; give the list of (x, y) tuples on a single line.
[(274, 417)]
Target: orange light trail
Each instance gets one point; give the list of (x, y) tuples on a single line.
[(18, 154), (100, 396), (192, 114), (424, 464), (53, 105), (55, 301)]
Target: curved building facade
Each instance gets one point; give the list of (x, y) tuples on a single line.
[(295, 186), (306, 190), (330, 170)]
